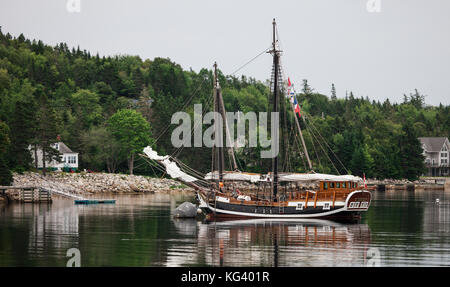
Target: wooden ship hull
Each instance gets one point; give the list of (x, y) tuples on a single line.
[(349, 207)]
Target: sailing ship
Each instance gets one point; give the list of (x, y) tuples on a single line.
[(278, 194)]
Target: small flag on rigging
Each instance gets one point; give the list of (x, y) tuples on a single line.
[(293, 98), (296, 107)]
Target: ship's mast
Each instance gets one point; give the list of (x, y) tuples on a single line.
[(218, 133), (224, 118), (276, 58)]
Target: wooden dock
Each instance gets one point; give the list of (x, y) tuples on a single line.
[(29, 193), (44, 194)]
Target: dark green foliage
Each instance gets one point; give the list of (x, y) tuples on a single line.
[(24, 126), (48, 91), (411, 158), (47, 129), (5, 173), (132, 132)]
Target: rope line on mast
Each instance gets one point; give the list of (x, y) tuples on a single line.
[(179, 149), (312, 124), (251, 60), (184, 106), (300, 152), (318, 141)]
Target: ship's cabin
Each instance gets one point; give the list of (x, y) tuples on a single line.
[(338, 186)]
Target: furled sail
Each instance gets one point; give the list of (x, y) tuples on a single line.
[(292, 177), (171, 167), (235, 176), (297, 177)]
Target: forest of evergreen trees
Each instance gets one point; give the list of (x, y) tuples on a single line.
[(85, 99)]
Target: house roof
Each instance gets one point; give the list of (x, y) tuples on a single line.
[(64, 149), (433, 143)]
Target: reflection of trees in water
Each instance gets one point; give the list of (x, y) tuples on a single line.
[(182, 251), (436, 215), (260, 242), (409, 228), (52, 228)]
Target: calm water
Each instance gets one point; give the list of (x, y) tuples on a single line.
[(401, 229)]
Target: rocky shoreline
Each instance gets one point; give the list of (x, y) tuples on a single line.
[(94, 183)]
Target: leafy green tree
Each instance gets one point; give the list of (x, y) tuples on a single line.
[(132, 131), (87, 108), (102, 149)]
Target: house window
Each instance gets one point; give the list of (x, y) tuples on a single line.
[(71, 159), (56, 146)]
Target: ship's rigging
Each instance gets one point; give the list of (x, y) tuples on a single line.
[(292, 139)]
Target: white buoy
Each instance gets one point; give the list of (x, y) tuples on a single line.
[(437, 200)]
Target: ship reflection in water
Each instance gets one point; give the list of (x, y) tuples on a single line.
[(406, 229), (276, 242)]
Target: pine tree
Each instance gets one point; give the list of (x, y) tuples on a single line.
[(23, 125), (47, 130), (411, 157), (306, 89), (5, 173), (333, 93)]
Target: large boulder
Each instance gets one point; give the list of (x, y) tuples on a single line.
[(186, 210)]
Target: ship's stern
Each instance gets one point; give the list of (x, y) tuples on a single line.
[(358, 200)]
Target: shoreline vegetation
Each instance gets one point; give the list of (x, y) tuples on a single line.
[(107, 109)]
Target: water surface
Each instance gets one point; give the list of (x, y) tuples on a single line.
[(401, 228)]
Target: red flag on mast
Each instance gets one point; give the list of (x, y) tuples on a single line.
[(289, 82)]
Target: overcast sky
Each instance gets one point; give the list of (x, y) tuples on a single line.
[(380, 54)]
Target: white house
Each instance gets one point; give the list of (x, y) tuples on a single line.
[(69, 159), (437, 155)]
